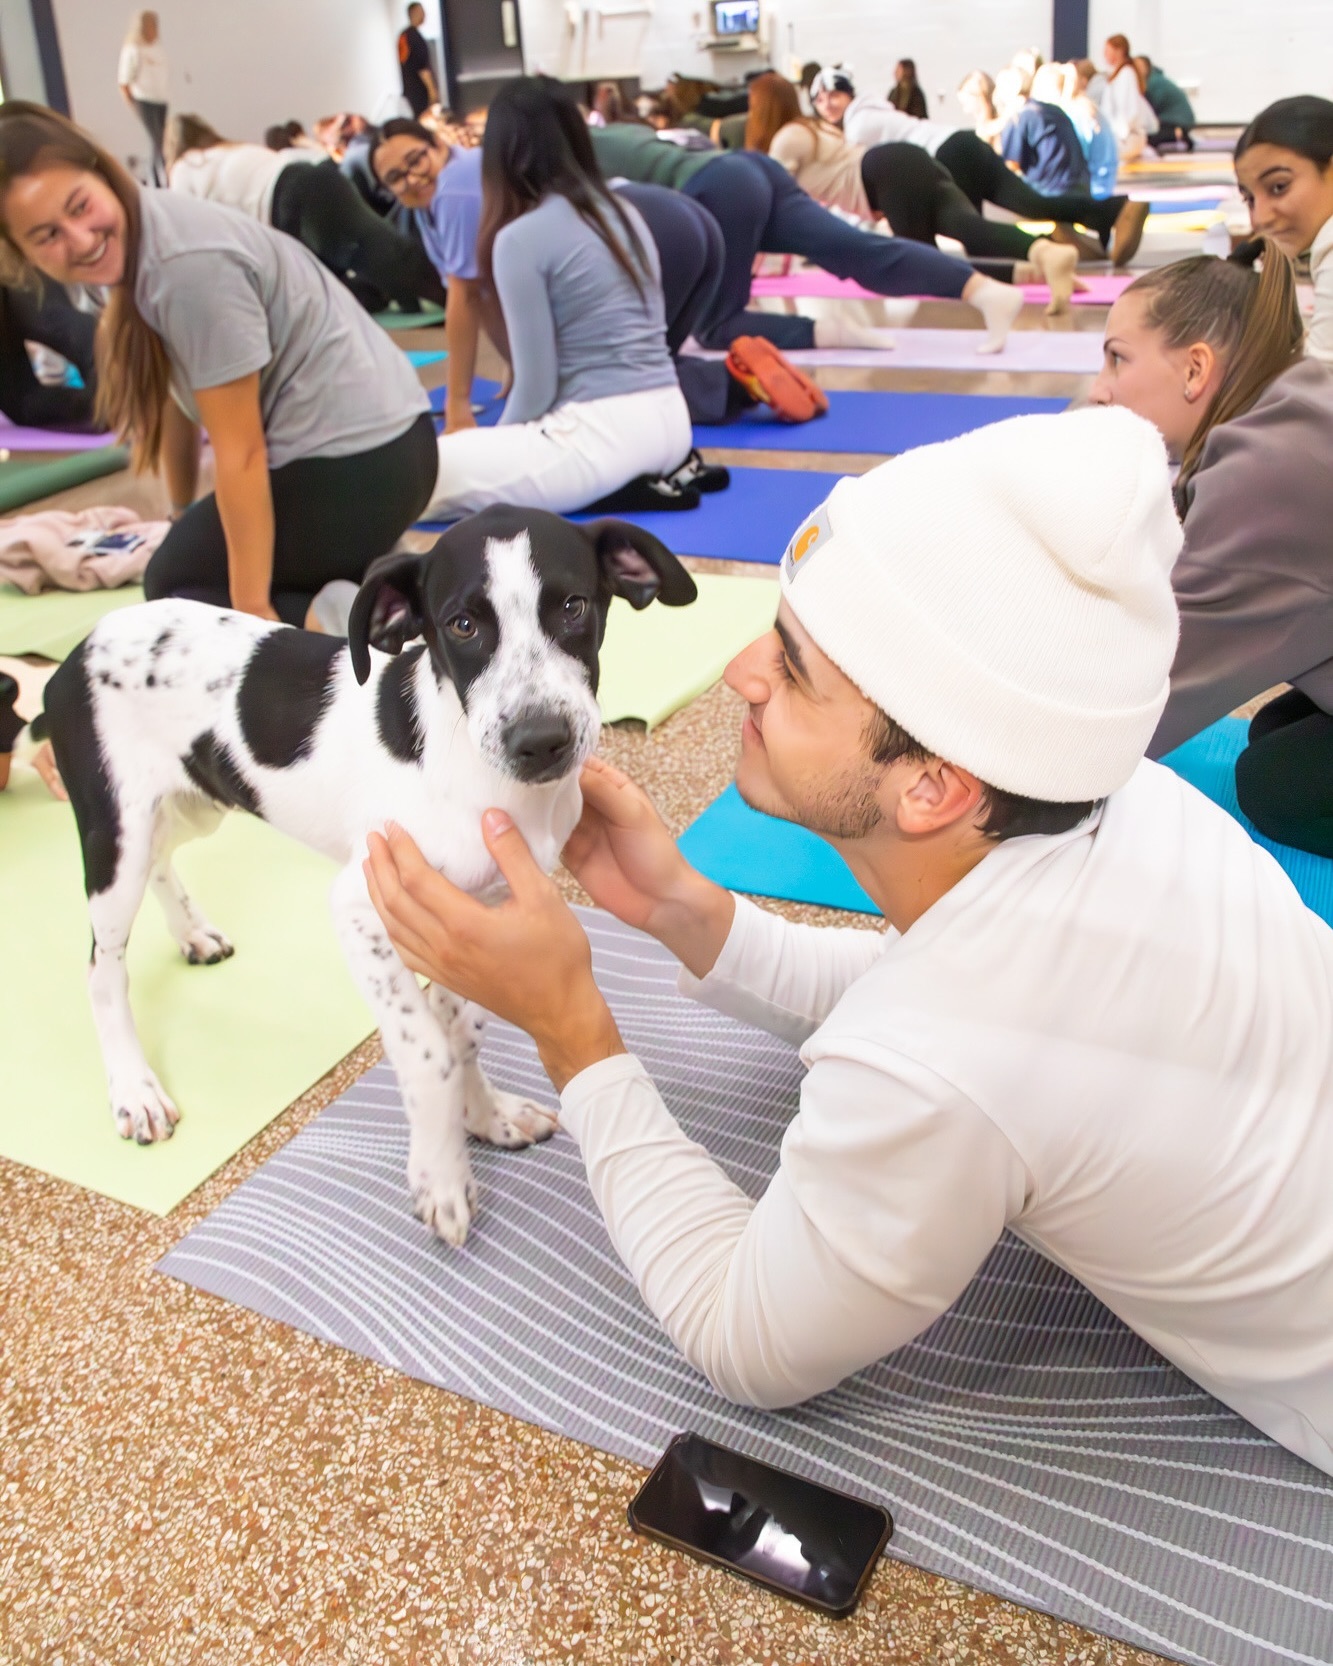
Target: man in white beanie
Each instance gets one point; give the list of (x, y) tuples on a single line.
[(1100, 1016)]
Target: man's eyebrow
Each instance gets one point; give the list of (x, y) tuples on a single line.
[(792, 652)]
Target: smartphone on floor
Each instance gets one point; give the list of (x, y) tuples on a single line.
[(795, 1536)]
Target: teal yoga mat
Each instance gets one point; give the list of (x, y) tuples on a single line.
[(874, 422), (1208, 762), (395, 320), (735, 846), (421, 357), (26, 479)]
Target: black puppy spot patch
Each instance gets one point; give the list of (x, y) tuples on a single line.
[(396, 708), (68, 711), (283, 695), (211, 766)]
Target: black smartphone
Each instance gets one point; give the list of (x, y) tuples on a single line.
[(795, 1536)]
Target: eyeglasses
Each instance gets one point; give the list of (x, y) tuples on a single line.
[(414, 167)]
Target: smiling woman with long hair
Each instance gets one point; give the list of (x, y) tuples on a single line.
[(322, 441), (594, 402)]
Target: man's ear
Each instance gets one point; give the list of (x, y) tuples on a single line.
[(638, 566), (387, 611)]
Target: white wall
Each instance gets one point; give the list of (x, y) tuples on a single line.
[(241, 64), (1242, 54)]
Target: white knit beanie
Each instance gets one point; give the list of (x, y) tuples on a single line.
[(1006, 596)]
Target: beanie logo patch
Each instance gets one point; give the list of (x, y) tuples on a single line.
[(809, 537)]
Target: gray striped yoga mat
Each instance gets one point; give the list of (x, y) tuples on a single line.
[(1027, 1443)]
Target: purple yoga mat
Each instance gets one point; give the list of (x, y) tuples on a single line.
[(49, 439), (816, 285)]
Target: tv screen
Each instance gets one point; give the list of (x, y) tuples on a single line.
[(736, 17)]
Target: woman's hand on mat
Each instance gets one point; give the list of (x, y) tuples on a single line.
[(624, 857), (259, 609), (458, 414), (527, 959)]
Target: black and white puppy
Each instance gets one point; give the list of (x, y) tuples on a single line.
[(173, 712)]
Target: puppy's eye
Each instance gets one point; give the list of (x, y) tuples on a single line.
[(575, 608), (462, 627)]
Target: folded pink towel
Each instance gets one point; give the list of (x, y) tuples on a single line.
[(83, 549)]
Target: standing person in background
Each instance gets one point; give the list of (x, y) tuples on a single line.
[(1171, 106), (1131, 116), (419, 87), (906, 94), (142, 75)]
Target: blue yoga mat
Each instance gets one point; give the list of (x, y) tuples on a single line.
[(877, 422), (1208, 762), (1185, 205), (486, 401), (751, 521), (735, 846)]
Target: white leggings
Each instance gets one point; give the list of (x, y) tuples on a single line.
[(565, 460)]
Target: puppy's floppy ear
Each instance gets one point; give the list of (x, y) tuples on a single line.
[(387, 610), (638, 566)]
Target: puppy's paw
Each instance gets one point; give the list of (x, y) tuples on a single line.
[(445, 1199), (506, 1119), (143, 1111), (206, 945)]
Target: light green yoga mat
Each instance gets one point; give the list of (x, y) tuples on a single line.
[(395, 320), (233, 1044), (54, 623), (657, 661)]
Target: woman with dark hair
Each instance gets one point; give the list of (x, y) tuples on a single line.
[(1211, 353), (905, 94), (594, 402), (1284, 166), (305, 194), (323, 445)]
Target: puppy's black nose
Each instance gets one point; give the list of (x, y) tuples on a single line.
[(539, 746)]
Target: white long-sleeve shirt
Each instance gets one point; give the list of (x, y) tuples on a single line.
[(1125, 108), (1319, 340), (874, 121), (1117, 1041)]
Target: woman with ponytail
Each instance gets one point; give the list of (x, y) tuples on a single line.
[(1211, 352), (322, 441)]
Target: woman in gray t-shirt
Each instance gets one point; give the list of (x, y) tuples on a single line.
[(323, 444)]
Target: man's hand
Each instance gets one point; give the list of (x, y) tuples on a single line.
[(526, 960), (626, 860)]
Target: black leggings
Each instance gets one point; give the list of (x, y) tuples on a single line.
[(154, 119), (52, 319), (316, 204), (331, 517), (919, 200), (981, 175), (1284, 777)]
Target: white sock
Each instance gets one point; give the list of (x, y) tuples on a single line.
[(999, 305), (842, 332)]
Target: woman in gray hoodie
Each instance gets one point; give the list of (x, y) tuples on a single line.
[(1211, 352)]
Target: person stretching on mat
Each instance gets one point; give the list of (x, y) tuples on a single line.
[(761, 209), (974, 166), (1284, 166), (305, 194), (1211, 353), (323, 445), (901, 184), (1100, 1015), (574, 271)]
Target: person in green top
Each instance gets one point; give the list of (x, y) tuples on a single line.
[(1175, 113)]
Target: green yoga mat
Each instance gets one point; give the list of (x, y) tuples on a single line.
[(24, 479), (657, 661), (423, 320), (233, 1044), (54, 623)]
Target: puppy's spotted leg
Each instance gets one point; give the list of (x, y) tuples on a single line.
[(430, 1075), (179, 820), (490, 1114)]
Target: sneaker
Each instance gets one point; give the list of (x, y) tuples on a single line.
[(647, 492), (703, 477), (331, 609), (767, 376)]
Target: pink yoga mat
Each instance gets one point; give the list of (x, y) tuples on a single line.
[(48, 439), (823, 286)]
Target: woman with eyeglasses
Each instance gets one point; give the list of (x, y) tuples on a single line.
[(574, 272), (323, 445)]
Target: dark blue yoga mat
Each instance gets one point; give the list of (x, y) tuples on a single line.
[(876, 422), (751, 520), (1208, 762), (735, 846), (486, 401)]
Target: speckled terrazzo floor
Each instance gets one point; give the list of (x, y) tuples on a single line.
[(184, 1482)]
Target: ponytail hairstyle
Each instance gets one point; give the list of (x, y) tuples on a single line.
[(1303, 124), (537, 144), (133, 372), (187, 133), (774, 104), (1250, 320)]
